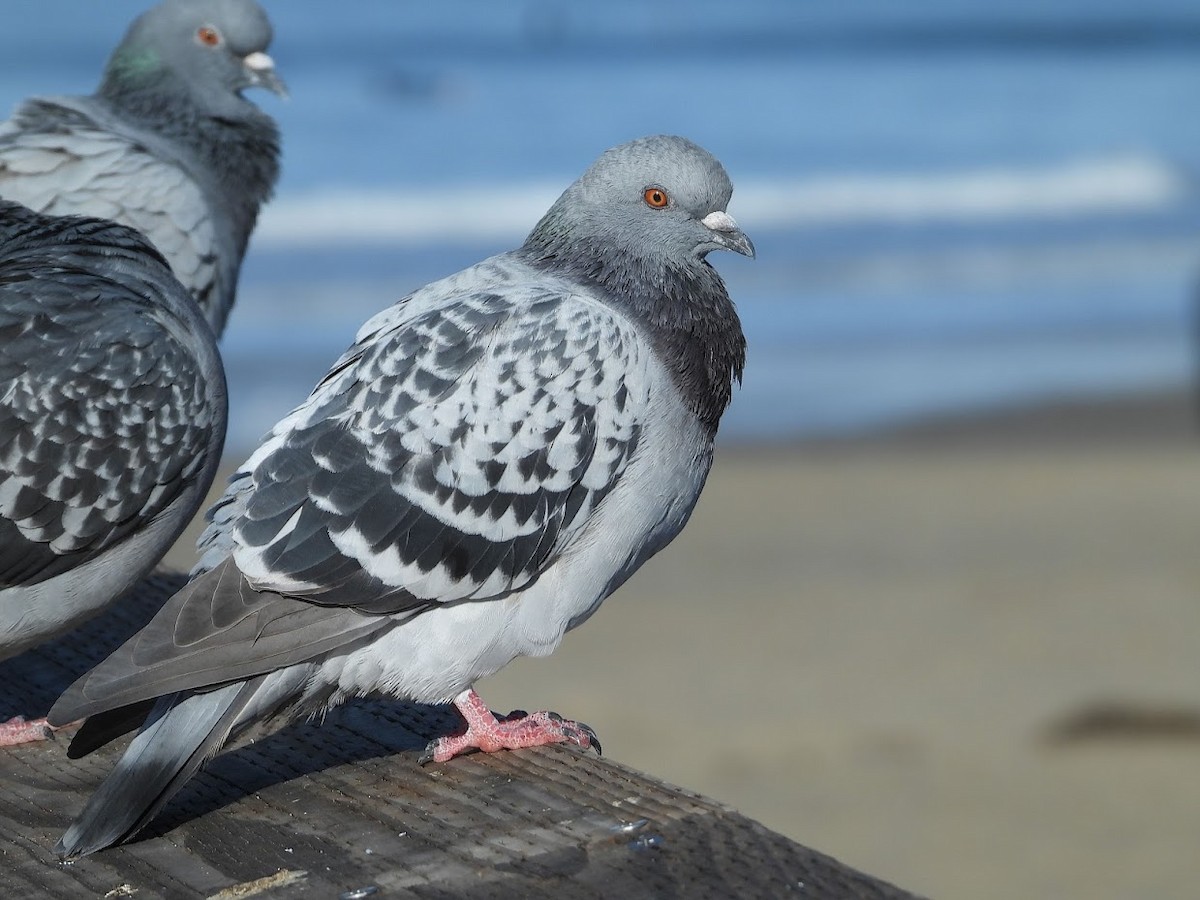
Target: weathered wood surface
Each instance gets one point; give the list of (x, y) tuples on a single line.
[(343, 809)]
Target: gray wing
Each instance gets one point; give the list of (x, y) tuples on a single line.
[(105, 417), (214, 631), (449, 458), (453, 457), (56, 159)]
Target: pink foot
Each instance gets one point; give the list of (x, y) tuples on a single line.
[(18, 731), (518, 729)]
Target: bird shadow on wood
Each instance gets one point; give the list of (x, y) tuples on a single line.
[(353, 733)]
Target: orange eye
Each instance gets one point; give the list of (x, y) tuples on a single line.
[(656, 197), (208, 36)]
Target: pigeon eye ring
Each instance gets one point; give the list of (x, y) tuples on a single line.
[(656, 197), (208, 36)]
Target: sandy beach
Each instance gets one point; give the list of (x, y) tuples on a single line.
[(962, 657)]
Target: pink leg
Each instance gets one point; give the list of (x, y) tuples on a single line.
[(518, 729), (18, 731)]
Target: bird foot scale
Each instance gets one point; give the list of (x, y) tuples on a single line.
[(18, 730), (487, 733)]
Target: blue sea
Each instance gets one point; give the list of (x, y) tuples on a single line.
[(958, 206)]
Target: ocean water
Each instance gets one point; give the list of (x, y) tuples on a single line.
[(957, 206)]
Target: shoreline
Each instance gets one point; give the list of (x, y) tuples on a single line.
[(1168, 417), (1160, 416)]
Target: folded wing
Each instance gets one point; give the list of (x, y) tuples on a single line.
[(106, 414)]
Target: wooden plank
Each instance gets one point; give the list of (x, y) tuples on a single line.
[(342, 809)]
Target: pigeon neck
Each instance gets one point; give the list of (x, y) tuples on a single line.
[(687, 311), (233, 153)]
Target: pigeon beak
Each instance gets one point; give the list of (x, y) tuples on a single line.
[(260, 69), (727, 234)]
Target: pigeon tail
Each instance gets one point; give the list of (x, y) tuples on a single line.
[(182, 733)]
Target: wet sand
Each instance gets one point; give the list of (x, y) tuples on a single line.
[(964, 657)]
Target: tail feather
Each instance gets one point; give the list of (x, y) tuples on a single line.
[(182, 732), (99, 729)]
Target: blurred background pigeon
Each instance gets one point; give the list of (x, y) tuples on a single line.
[(494, 456), (167, 144), (112, 419)]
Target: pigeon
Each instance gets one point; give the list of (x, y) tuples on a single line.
[(112, 420), (493, 456), (167, 144)]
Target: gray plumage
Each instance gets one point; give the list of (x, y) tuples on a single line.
[(112, 417), (167, 144), (493, 456)]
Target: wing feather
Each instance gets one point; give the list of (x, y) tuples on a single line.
[(106, 412), (454, 455), (216, 630)]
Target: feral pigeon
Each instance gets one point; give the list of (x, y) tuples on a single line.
[(491, 458), (167, 144), (112, 419)]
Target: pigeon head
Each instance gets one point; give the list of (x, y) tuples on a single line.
[(212, 50), (658, 199)]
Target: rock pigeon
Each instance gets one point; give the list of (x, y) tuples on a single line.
[(492, 457), (112, 419), (167, 144)]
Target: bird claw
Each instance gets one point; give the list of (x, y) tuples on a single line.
[(488, 733), (579, 733), (593, 741)]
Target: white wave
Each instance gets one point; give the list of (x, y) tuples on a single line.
[(406, 215), (1119, 185), (507, 212)]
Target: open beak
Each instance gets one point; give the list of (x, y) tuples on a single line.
[(260, 69), (726, 233)]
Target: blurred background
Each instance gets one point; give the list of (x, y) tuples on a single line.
[(938, 612)]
